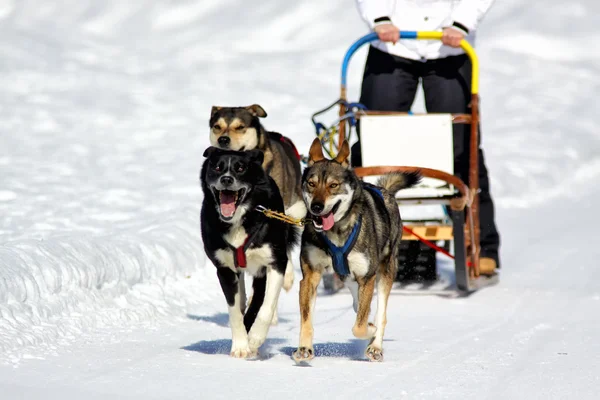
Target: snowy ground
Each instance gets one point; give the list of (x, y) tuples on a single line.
[(104, 288)]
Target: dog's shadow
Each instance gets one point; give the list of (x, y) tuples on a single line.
[(223, 347), (353, 350), (222, 319), (212, 347)]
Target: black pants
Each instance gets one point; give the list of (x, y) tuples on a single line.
[(390, 84)]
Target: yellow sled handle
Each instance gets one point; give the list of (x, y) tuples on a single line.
[(420, 35)]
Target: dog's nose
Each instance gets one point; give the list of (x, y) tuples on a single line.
[(226, 180), (224, 141), (317, 208)]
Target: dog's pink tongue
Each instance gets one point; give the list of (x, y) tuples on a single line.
[(327, 221), (227, 204)]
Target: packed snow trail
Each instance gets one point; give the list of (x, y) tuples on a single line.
[(104, 288)]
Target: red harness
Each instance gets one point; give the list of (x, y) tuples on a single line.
[(283, 139), (239, 253), (289, 141)]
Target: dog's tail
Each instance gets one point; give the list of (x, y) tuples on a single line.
[(395, 181)]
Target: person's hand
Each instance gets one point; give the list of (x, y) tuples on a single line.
[(452, 37), (387, 33)]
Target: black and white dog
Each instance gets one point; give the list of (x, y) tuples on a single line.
[(240, 239)]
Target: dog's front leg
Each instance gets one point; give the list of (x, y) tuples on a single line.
[(239, 338), (242, 289), (308, 296), (260, 327), (288, 280), (362, 329), (297, 210), (385, 282)]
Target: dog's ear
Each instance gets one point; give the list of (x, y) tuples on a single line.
[(210, 151), (343, 154), (256, 111), (256, 156), (316, 152), (214, 110)]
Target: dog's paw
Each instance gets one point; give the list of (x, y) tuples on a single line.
[(374, 353), (303, 354), (242, 352), (365, 331)]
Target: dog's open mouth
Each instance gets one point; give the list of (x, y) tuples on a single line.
[(229, 200), (325, 222)]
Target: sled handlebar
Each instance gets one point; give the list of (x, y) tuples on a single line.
[(421, 35)]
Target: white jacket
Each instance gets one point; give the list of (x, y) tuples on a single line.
[(424, 15)]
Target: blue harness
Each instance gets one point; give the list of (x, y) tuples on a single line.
[(373, 189), (339, 255)]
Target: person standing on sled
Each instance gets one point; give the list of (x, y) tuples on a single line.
[(394, 68)]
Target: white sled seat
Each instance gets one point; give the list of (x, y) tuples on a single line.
[(410, 140)]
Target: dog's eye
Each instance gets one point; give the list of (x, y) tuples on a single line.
[(311, 184), (217, 167), (333, 185), (216, 127), (240, 128), (240, 168)]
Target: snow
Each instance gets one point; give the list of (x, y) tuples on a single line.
[(104, 287)]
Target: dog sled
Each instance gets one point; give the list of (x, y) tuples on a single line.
[(422, 142)]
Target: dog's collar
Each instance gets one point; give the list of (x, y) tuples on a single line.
[(339, 255)]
